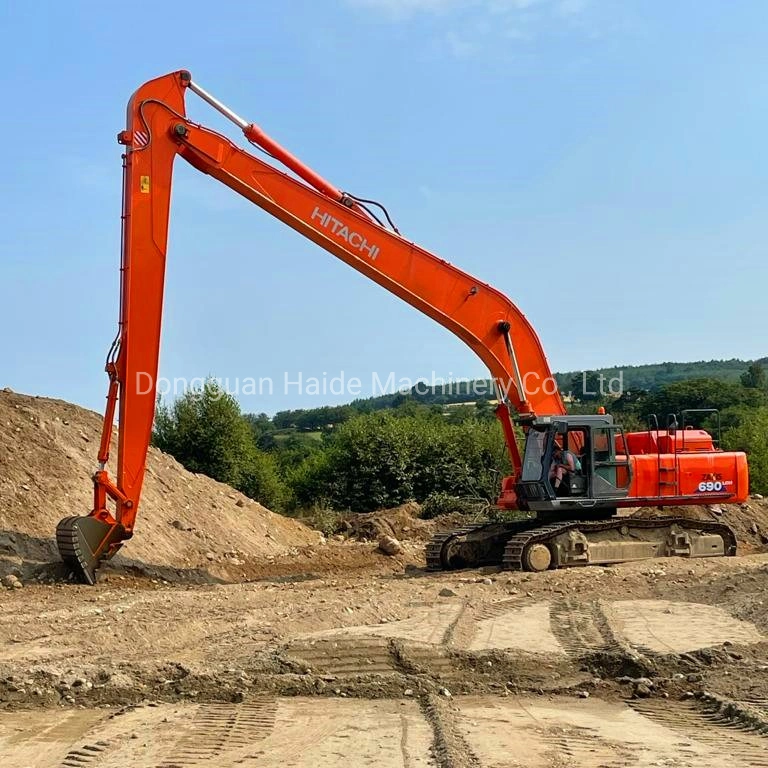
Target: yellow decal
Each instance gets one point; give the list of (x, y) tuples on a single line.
[(144, 185)]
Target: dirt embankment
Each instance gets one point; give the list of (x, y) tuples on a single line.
[(187, 522)]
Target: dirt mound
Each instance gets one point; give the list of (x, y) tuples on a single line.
[(401, 522), (187, 522), (749, 520)]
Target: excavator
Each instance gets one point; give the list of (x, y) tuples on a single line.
[(569, 523)]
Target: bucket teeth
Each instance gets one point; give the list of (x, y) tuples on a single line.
[(84, 542)]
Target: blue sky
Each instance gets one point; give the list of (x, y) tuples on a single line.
[(603, 163)]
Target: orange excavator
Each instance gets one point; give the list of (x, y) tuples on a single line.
[(573, 503)]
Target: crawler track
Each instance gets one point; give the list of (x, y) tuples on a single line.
[(472, 546), (506, 544), (516, 548)]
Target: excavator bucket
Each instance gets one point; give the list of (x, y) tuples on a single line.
[(84, 542)]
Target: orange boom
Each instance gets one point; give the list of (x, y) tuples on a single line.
[(574, 520)]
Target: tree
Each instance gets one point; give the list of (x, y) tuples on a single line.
[(262, 429), (205, 431), (586, 385), (754, 377), (699, 393), (750, 434)]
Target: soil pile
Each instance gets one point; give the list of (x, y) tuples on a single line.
[(187, 522), (401, 522)]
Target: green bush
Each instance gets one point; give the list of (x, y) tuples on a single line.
[(205, 431), (384, 459), (441, 503)]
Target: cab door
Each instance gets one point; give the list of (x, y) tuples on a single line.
[(611, 469)]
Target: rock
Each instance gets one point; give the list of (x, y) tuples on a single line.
[(390, 545), (178, 525), (239, 503), (446, 592), (583, 694), (24, 486), (694, 678), (445, 692), (646, 681), (210, 556), (12, 582), (642, 691), (754, 529), (488, 582), (408, 692), (758, 496)]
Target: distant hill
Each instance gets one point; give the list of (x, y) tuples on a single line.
[(656, 375), (635, 377)]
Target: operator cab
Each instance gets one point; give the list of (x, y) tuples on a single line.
[(602, 471)]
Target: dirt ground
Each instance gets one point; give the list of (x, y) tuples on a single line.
[(659, 663), (314, 652)]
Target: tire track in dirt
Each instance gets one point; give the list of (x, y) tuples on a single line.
[(760, 704), (461, 630), (449, 747), (583, 746), (708, 724), (221, 728), (340, 655), (88, 754), (419, 645), (582, 627), (663, 627)]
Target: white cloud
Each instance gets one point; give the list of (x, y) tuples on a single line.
[(571, 7), (465, 27), (458, 45), (402, 9)]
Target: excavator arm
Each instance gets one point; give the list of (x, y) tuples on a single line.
[(157, 131)]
